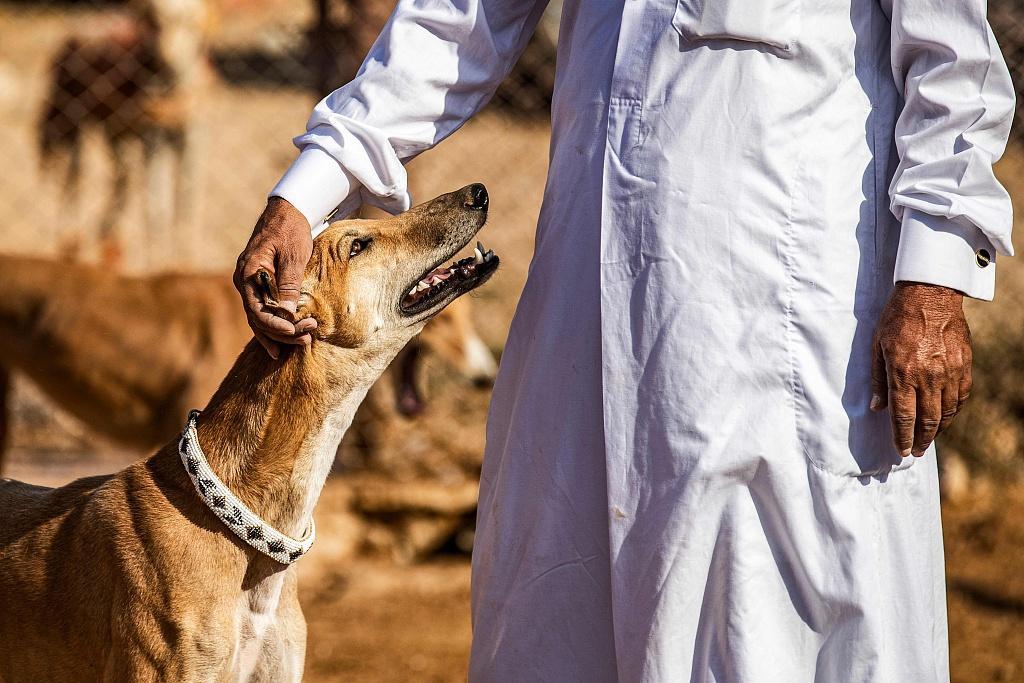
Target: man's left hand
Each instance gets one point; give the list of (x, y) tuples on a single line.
[(921, 367)]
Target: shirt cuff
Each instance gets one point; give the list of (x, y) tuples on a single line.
[(941, 251), (315, 184)]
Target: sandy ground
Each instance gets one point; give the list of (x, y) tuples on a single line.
[(374, 620)]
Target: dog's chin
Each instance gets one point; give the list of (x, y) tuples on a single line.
[(440, 286)]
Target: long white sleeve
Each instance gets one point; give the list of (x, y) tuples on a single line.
[(958, 106), (435, 64)]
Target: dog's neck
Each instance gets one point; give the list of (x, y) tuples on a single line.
[(272, 429)]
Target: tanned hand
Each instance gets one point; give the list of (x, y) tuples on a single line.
[(281, 244), (922, 363)]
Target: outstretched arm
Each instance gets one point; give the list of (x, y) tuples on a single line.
[(435, 64)]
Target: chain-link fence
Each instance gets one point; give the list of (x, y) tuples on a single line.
[(146, 129), (1007, 20), (145, 133)]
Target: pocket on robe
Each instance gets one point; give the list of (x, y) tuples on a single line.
[(775, 23)]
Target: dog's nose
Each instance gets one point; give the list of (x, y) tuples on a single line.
[(477, 197)]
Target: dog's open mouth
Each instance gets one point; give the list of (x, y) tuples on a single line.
[(447, 282)]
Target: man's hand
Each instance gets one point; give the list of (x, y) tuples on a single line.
[(922, 363), (281, 244)]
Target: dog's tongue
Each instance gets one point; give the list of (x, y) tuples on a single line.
[(439, 273), (434, 277)]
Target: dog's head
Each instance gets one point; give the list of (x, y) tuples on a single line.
[(379, 281)]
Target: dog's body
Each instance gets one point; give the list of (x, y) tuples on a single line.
[(131, 576), (129, 356), (126, 562)]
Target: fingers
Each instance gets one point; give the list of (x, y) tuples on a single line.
[(966, 378), (879, 381), (903, 410), (956, 392), (281, 245), (272, 349), (305, 326), (927, 420), (265, 320), (269, 329), (950, 405), (922, 412), (290, 339), (290, 272)]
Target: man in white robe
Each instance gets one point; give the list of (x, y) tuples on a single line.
[(683, 478)]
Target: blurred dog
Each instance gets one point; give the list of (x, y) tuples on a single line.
[(129, 356), (135, 78), (178, 567)]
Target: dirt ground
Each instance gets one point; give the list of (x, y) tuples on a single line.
[(374, 620)]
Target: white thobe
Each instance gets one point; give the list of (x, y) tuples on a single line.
[(682, 479)]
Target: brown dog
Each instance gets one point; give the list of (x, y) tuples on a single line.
[(134, 576), (129, 356)]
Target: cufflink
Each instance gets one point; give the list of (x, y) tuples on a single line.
[(983, 258)]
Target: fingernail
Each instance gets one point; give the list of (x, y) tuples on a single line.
[(876, 402), (905, 453), (289, 305)]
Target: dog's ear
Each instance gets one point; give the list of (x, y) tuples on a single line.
[(309, 306), (266, 290)]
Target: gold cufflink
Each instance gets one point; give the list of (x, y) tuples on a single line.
[(983, 257)]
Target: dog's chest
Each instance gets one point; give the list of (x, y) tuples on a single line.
[(259, 635)]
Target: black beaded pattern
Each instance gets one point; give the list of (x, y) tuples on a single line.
[(241, 520)]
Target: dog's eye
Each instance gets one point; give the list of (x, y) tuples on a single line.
[(357, 247)]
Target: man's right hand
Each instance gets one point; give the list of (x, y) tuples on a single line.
[(281, 244)]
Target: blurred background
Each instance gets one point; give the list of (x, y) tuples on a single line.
[(139, 136)]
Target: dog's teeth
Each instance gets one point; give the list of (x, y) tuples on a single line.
[(421, 286), (413, 291), (478, 256)]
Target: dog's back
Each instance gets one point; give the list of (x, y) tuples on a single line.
[(73, 557), (40, 543)]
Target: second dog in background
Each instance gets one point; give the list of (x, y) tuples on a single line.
[(129, 356)]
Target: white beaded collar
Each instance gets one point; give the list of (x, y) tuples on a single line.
[(240, 519)]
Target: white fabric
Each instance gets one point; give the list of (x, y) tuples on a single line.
[(683, 480), (242, 521), (934, 249), (310, 198)]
